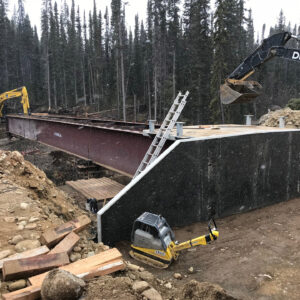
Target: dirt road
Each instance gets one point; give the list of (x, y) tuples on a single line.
[(256, 257)]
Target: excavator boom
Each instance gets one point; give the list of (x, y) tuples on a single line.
[(18, 92), (236, 89)]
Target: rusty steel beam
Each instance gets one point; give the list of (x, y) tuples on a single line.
[(115, 145)]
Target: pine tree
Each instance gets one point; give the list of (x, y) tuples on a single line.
[(45, 46), (198, 39)]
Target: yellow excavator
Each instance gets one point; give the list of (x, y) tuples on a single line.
[(19, 92), (236, 88), (153, 241)]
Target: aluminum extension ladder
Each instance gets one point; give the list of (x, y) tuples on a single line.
[(164, 132)]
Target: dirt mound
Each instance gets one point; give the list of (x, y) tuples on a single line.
[(204, 290), (291, 117), (14, 168)]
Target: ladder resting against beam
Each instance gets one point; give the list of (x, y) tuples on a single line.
[(163, 132)]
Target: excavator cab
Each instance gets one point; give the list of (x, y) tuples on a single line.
[(239, 91)]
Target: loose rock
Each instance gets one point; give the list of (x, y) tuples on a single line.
[(77, 249), (24, 205), (16, 239), (168, 285), (177, 276), (132, 267), (17, 285), (5, 253), (33, 219), (27, 245), (75, 257), (60, 284), (147, 276), (9, 219), (191, 270), (152, 294), (31, 226), (205, 291), (140, 286)]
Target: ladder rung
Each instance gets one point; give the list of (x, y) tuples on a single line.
[(164, 132)]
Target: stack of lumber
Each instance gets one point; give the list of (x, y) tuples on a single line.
[(34, 264)]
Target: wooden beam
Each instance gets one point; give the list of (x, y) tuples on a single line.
[(25, 267), (104, 269), (67, 244), (85, 268), (29, 293), (52, 236), (84, 265), (26, 254)]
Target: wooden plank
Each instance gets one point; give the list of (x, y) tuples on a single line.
[(83, 265), (100, 189), (52, 236), (104, 269), (29, 293), (33, 292), (67, 244), (26, 254), (25, 267)]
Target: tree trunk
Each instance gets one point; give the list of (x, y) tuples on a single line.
[(48, 78), (83, 83), (134, 106), (155, 93), (174, 74), (118, 83), (122, 72)]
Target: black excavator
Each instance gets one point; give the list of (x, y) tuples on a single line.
[(236, 89)]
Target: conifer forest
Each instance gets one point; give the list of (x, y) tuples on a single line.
[(94, 58)]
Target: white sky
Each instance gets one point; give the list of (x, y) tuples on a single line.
[(264, 11)]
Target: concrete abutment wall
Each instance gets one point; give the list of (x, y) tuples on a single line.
[(196, 178)]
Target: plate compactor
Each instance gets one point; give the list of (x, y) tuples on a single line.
[(153, 241)]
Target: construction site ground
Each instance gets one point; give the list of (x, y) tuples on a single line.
[(256, 257)]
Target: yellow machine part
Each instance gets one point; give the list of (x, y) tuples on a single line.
[(162, 259), (19, 92), (201, 240), (155, 258)]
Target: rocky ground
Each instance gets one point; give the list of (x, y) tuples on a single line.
[(291, 117), (30, 203)]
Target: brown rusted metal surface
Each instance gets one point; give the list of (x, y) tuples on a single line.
[(97, 188), (116, 145)]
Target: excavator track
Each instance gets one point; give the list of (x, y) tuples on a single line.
[(148, 261)]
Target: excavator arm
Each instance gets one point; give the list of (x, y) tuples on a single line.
[(19, 92), (236, 89)]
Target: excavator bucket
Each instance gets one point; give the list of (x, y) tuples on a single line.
[(239, 91)]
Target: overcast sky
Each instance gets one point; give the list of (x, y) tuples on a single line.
[(264, 11)]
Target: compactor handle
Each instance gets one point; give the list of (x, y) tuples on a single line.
[(214, 228)]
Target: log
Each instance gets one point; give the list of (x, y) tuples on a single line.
[(67, 244), (52, 236), (25, 267), (84, 265), (26, 254)]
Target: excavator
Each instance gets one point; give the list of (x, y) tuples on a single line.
[(19, 92), (153, 240), (236, 88)]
